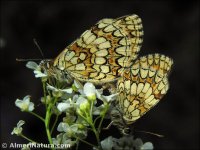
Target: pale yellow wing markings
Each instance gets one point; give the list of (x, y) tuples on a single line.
[(143, 85), (101, 53), (132, 26)]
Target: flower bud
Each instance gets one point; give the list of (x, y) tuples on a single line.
[(85, 106)]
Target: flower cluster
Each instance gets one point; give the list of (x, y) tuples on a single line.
[(79, 104), (126, 143)]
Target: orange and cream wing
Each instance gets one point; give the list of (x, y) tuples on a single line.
[(132, 26), (143, 85), (101, 53)]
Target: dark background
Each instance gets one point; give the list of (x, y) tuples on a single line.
[(170, 28)]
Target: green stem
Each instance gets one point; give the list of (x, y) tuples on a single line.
[(96, 119), (96, 134), (54, 124), (36, 115), (47, 121), (28, 139), (54, 102), (101, 121), (90, 121), (91, 109), (102, 118), (44, 91), (86, 142), (92, 125)]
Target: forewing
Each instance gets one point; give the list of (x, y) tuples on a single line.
[(101, 53), (143, 85), (132, 26)]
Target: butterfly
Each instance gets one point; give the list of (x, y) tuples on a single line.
[(140, 88), (101, 53), (108, 52)]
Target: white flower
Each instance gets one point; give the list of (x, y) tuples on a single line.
[(59, 92), (89, 89), (18, 130), (69, 130), (91, 93), (25, 104), (63, 106), (107, 144), (82, 103), (58, 139), (69, 90), (80, 100), (83, 106), (39, 74), (37, 69), (63, 138), (62, 127), (147, 146), (32, 65), (104, 98)]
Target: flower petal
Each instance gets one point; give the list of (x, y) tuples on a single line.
[(18, 130), (32, 65), (147, 145), (20, 123), (110, 98), (18, 103), (107, 144), (51, 87), (25, 104), (62, 107), (39, 74), (81, 100), (62, 127), (70, 90), (31, 106), (89, 89)]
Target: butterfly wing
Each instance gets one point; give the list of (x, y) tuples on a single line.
[(143, 85), (100, 53), (132, 26)]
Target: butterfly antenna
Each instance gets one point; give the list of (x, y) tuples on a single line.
[(155, 134), (36, 43), (24, 60)]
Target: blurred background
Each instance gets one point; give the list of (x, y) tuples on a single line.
[(170, 28)]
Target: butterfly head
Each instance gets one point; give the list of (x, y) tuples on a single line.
[(55, 73), (46, 65)]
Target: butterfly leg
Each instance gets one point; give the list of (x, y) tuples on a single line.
[(108, 126)]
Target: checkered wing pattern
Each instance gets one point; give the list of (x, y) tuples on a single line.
[(102, 53), (143, 85)]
